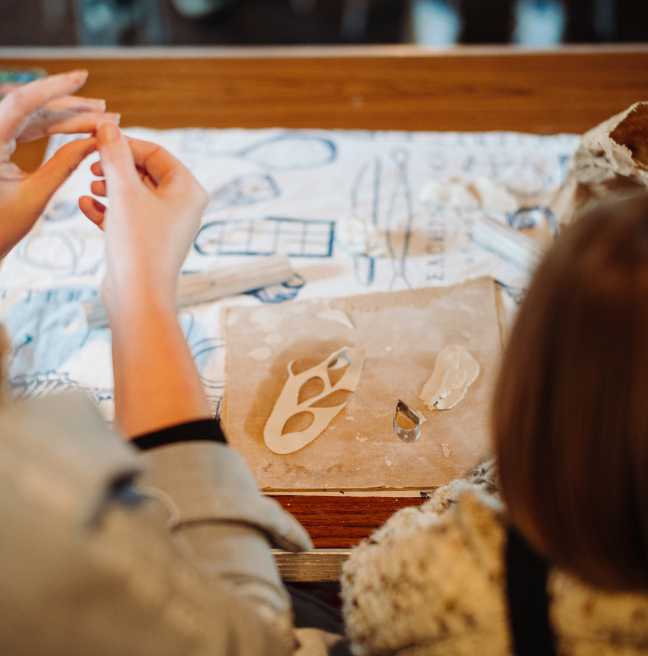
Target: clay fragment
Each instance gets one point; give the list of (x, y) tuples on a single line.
[(454, 371), (469, 194), (359, 237), (288, 405), (336, 315)]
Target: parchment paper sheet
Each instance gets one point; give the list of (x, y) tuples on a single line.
[(404, 332)]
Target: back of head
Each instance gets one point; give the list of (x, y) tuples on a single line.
[(571, 405)]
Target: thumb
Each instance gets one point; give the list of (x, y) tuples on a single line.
[(38, 187), (116, 159)]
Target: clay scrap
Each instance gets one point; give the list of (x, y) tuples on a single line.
[(359, 237), (454, 371), (336, 315), (288, 405), (469, 194)]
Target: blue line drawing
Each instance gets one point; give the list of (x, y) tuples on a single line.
[(63, 210), (280, 293), (15, 349), (563, 163), (291, 152), (267, 236), (51, 251), (365, 267), (398, 240), (245, 190), (41, 384), (529, 217), (437, 162), (202, 352), (516, 293), (524, 179)]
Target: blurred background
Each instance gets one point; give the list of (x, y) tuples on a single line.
[(282, 22)]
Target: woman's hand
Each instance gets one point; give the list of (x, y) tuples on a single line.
[(155, 210), (32, 111), (154, 215)]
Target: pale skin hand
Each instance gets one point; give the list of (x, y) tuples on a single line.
[(154, 215), (32, 111)]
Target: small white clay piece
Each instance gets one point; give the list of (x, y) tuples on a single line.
[(472, 194), (288, 405), (455, 370), (359, 237), (336, 315)]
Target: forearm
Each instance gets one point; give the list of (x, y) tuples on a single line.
[(156, 381)]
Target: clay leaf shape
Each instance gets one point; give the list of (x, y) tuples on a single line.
[(454, 371), (288, 405)]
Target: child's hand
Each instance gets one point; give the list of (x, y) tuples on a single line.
[(35, 110), (155, 210)]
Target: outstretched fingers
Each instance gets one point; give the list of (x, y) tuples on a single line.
[(78, 104), (16, 108)]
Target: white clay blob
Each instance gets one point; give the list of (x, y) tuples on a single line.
[(336, 315), (260, 354), (273, 338), (494, 195), (359, 237), (450, 192), (288, 405), (471, 194), (455, 370)]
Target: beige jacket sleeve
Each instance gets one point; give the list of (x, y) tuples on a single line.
[(89, 565)]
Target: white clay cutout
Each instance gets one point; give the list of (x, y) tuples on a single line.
[(288, 405), (336, 315), (455, 370)]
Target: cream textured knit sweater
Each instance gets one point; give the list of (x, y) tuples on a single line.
[(432, 581)]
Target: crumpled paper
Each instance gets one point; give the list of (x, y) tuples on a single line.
[(611, 160)]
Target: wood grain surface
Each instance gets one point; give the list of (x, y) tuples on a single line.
[(566, 90), (394, 88), (340, 522)]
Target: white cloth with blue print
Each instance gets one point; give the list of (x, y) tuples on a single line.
[(273, 192)]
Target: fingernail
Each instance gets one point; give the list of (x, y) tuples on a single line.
[(82, 73), (108, 133), (96, 104)]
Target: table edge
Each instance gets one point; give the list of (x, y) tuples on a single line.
[(311, 52)]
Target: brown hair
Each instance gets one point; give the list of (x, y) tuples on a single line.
[(570, 412)]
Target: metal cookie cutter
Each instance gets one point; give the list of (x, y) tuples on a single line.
[(407, 434)]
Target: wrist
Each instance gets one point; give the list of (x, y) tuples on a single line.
[(132, 306)]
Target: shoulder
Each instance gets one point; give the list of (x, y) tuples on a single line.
[(430, 577), (589, 621)]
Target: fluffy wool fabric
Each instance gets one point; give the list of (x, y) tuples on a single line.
[(432, 581)]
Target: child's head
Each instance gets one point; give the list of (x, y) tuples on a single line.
[(571, 405)]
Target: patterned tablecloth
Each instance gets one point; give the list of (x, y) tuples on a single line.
[(275, 192)]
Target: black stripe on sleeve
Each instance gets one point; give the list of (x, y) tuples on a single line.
[(202, 430)]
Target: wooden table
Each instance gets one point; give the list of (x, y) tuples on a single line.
[(382, 87)]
